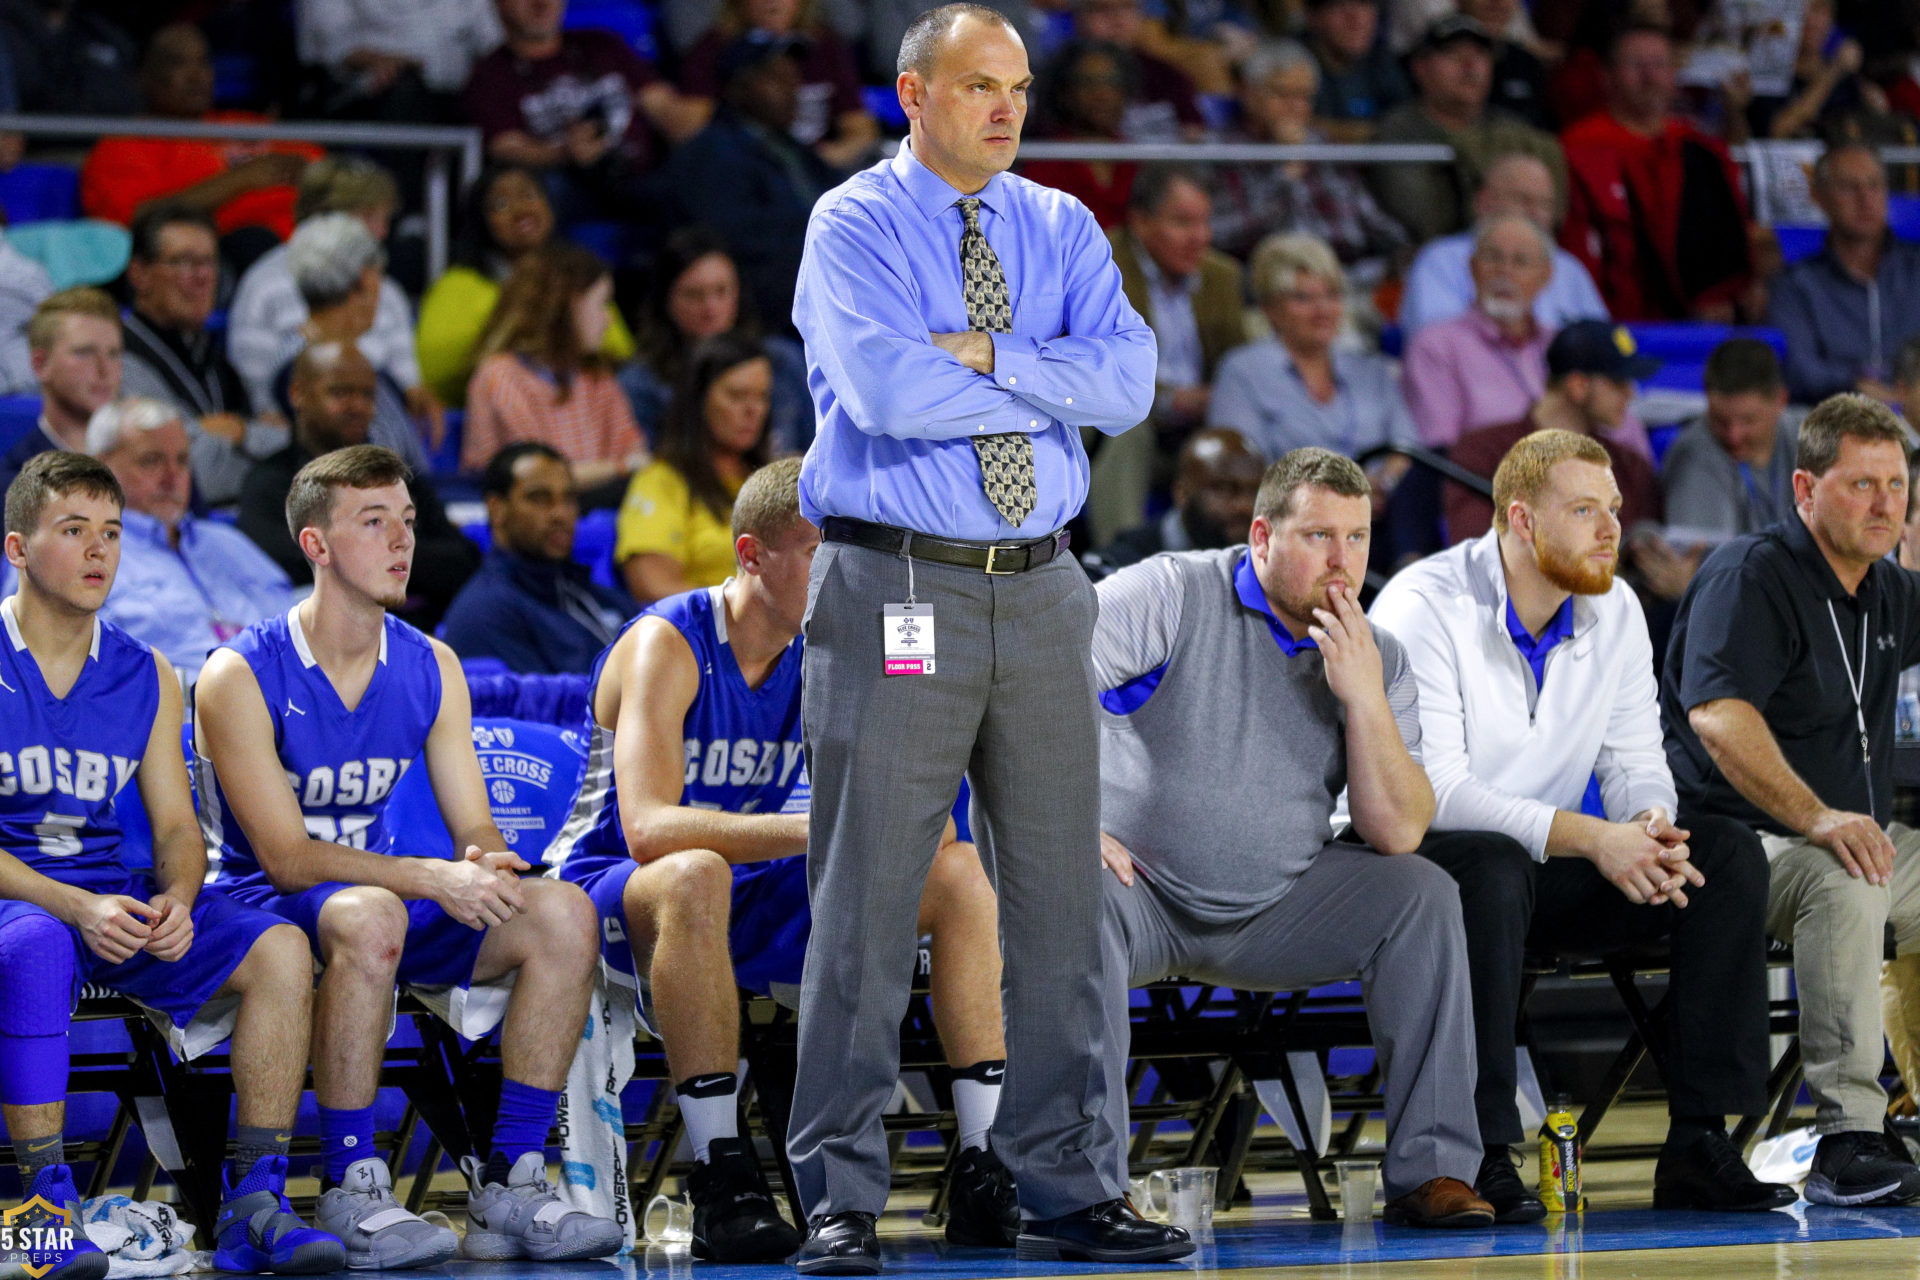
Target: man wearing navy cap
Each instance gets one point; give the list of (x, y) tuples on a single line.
[(1591, 369)]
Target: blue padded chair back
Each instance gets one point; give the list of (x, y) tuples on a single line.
[(532, 772), (18, 415), (38, 192), (631, 20), (1683, 349)]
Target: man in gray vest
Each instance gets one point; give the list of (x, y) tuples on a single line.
[(1244, 691)]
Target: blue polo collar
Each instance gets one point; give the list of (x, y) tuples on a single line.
[(1247, 587), (1535, 650)]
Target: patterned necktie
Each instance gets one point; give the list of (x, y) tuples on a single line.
[(1006, 461)]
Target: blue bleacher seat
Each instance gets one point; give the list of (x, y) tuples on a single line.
[(1797, 242), (18, 414), (883, 104), (1683, 349), (532, 772), (236, 79), (37, 192), (1903, 216), (1660, 439), (631, 20), (593, 540), (446, 459), (611, 242)]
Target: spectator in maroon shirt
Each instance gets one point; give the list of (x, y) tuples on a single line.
[(833, 119), (1166, 108), (1084, 95), (579, 107)]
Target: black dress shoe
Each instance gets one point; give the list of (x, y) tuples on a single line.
[(982, 1210), (839, 1244), (1107, 1232), (1708, 1173), (1514, 1203)]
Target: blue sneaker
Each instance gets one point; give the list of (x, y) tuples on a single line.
[(84, 1261), (259, 1232)]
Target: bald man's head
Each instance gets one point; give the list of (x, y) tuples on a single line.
[(333, 388), (1519, 185), (1217, 477)]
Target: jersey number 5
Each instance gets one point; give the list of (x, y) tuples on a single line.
[(59, 835)]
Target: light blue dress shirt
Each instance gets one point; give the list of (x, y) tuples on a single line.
[(1258, 392), (1440, 287), (186, 603), (881, 274)]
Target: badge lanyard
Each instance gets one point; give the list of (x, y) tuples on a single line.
[(907, 634), (1856, 683)]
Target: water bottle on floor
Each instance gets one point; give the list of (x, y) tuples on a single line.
[(1560, 1158)]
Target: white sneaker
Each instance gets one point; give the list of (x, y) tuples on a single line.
[(378, 1233), (526, 1218)]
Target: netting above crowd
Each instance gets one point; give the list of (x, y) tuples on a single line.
[(622, 273)]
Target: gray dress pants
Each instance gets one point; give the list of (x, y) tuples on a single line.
[(1011, 706), (1394, 923)]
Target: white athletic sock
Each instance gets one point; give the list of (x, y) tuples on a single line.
[(710, 1105), (974, 1104)]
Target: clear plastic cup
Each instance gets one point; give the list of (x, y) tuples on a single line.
[(1357, 1180)]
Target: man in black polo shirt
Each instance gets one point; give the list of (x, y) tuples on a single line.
[(1778, 698)]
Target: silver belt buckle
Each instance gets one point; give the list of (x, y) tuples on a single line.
[(999, 573)]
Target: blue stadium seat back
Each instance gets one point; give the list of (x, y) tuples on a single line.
[(1903, 216), (236, 79), (556, 700), (1799, 242), (1661, 439), (631, 20), (1683, 349), (75, 252), (18, 415), (38, 192), (446, 459), (611, 242), (593, 542), (532, 772), (882, 102), (1393, 341)]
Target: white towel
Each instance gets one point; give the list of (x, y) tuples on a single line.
[(593, 1155), (141, 1238)]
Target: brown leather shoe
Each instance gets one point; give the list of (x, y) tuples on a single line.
[(1440, 1202)]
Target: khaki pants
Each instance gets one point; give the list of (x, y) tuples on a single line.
[(1837, 927)]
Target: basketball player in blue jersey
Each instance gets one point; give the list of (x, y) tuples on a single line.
[(689, 835), (303, 724), (85, 710)]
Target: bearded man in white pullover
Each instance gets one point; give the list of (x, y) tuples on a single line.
[(1536, 682)]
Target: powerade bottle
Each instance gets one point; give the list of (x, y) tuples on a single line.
[(1560, 1158)]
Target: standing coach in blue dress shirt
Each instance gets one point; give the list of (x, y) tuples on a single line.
[(961, 327)]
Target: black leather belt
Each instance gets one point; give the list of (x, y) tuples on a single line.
[(995, 558)]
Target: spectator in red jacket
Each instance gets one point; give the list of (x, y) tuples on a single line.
[(1655, 210), (242, 184)]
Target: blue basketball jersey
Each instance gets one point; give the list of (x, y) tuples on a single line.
[(63, 760), (341, 764), (742, 746)]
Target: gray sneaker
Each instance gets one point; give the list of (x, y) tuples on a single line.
[(526, 1218), (378, 1233)]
